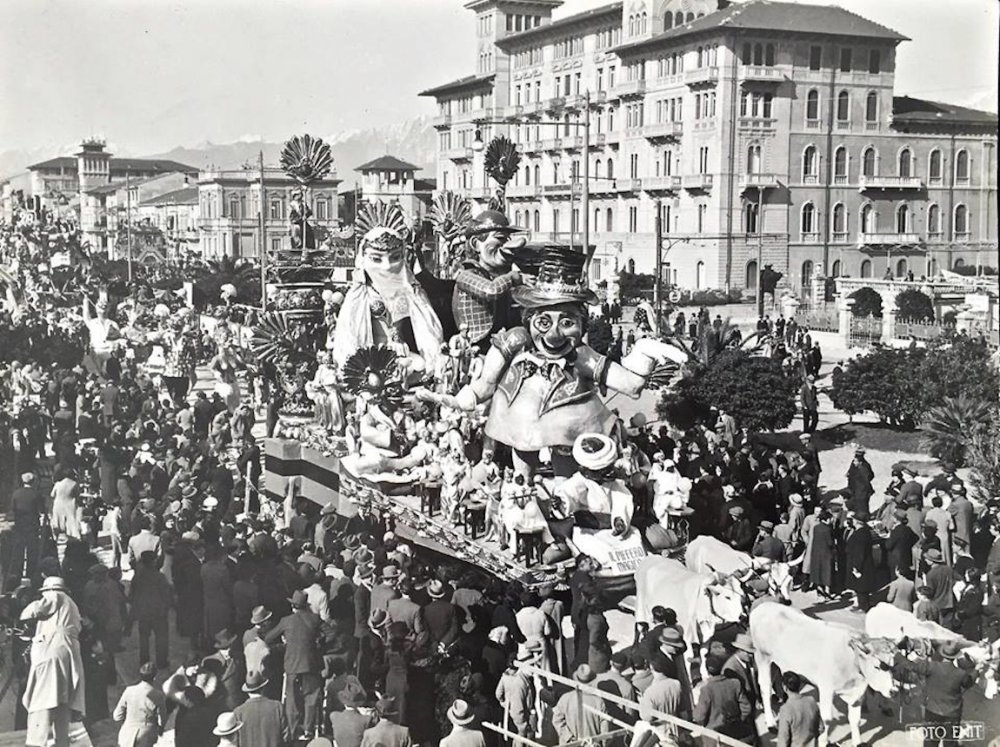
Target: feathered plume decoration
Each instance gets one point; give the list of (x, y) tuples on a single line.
[(450, 214), (306, 159), (381, 215), (373, 371), (501, 161)]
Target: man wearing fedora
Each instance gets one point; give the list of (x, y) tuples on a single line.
[(227, 728), (385, 591), (349, 725), (231, 670), (576, 715), (386, 732), (26, 507), (142, 711), (440, 615), (516, 693), (302, 664), (264, 721), (940, 580), (150, 595), (463, 731), (946, 679)]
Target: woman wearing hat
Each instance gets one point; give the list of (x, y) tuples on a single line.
[(541, 379), (55, 680)]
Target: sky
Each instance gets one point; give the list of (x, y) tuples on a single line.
[(152, 74)]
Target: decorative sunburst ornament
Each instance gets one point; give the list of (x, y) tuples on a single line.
[(306, 159), (450, 214), (373, 371), (388, 215), (501, 161)]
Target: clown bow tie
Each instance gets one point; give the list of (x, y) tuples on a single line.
[(531, 364)]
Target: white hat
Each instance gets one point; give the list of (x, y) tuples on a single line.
[(594, 451)]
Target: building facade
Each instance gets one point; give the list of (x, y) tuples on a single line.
[(762, 133), (229, 205), (389, 179)]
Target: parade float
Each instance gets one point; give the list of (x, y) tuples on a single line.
[(369, 408)]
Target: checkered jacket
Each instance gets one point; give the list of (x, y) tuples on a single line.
[(477, 299)]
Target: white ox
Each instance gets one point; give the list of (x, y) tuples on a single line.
[(700, 603), (707, 555), (886, 621), (835, 658)]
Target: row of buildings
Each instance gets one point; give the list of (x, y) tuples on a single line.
[(177, 209), (763, 132)]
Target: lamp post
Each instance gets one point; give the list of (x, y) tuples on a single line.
[(477, 145)]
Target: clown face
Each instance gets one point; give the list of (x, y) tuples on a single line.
[(494, 255), (557, 330)]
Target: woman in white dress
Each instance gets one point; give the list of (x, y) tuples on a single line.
[(65, 513)]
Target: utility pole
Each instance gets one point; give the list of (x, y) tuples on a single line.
[(128, 224), (261, 217), (657, 291), (760, 249), (585, 206)]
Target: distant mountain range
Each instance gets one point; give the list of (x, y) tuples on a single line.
[(412, 141)]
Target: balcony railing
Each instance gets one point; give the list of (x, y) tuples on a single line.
[(757, 123), (524, 190), (888, 239), (572, 142), (759, 181), (480, 193), (698, 181), (810, 237), (628, 185), (562, 189), (513, 112), (574, 102), (702, 76), (458, 154), (661, 183), (551, 144), (663, 131), (891, 182), (629, 88), (485, 113), (532, 108), (555, 103), (442, 121), (760, 74)]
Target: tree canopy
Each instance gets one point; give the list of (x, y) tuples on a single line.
[(914, 305), (867, 302)]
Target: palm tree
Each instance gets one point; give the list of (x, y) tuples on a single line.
[(949, 428), (710, 342)]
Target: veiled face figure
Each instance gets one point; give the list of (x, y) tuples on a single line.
[(492, 254), (557, 330), (384, 252)]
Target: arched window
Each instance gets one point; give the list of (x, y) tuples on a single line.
[(668, 21), (538, 220), (611, 169), (901, 268), (644, 22), (866, 268), (962, 166), (751, 215), (810, 163), (812, 105), (933, 220), (769, 55), (538, 174), (961, 222), (758, 54), (527, 176), (934, 166), (869, 219), (835, 271), (869, 162), (609, 220), (701, 57), (807, 272), (808, 224), (905, 162), (958, 263), (839, 221), (699, 275), (597, 219), (631, 25), (871, 107), (843, 106), (688, 18), (840, 164), (597, 169), (753, 159), (903, 218), (746, 57), (932, 268), (631, 266), (678, 18), (751, 275)]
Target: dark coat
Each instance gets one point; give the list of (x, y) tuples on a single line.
[(301, 631), (859, 482), (190, 594), (349, 727), (441, 618), (899, 547), (150, 592), (264, 723), (217, 588), (859, 558), (821, 558)]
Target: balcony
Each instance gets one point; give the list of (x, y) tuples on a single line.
[(628, 89), (890, 182), (484, 113), (524, 190), (554, 104), (532, 109), (810, 237), (628, 185), (442, 122), (698, 182), (702, 76), (888, 239), (599, 140), (479, 193), (598, 97), (760, 74), (758, 181), (575, 102), (552, 144), (572, 142), (757, 124), (458, 154), (661, 183), (602, 186), (565, 189), (663, 131), (513, 113)]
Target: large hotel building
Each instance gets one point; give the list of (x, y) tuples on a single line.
[(760, 129)]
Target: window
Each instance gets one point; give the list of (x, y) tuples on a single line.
[(962, 166), (961, 222), (746, 57), (866, 268), (901, 268), (234, 207), (611, 169), (751, 215), (701, 57), (668, 163), (840, 165), (538, 174), (836, 268), (668, 21), (555, 221), (633, 219), (322, 210), (845, 60), (751, 275), (807, 272), (905, 162), (843, 107), (702, 215), (839, 222), (874, 61), (810, 164), (871, 108), (678, 18), (758, 54), (609, 219), (869, 219), (869, 162), (538, 220), (597, 219), (276, 212), (815, 57), (812, 106), (769, 55), (688, 18), (665, 218), (699, 275), (902, 219), (934, 166), (703, 160), (633, 166), (808, 224), (753, 159), (575, 220), (933, 220), (631, 266)]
